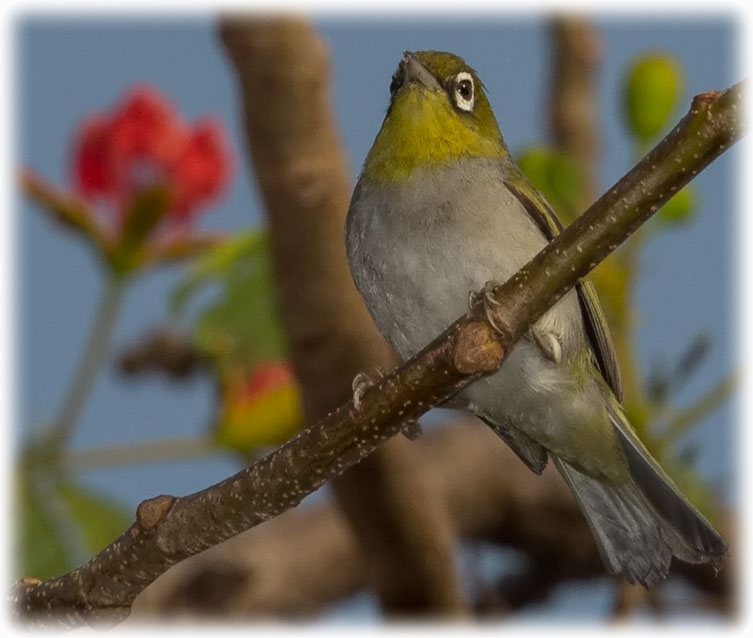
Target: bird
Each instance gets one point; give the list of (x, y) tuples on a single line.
[(441, 209)]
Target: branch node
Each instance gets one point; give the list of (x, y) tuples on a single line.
[(703, 100), (477, 349), (29, 581), (150, 512)]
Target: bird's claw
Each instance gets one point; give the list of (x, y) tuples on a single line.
[(361, 383), (485, 295), (490, 304), (488, 292)]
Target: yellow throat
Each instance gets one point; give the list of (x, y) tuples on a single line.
[(422, 130)]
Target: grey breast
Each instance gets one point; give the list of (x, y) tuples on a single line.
[(416, 249)]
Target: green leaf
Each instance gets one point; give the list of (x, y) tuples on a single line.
[(46, 522), (651, 91), (100, 520), (148, 208), (535, 162), (557, 176), (240, 324), (679, 209), (145, 213), (39, 551), (218, 262)]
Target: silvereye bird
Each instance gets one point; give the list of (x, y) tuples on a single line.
[(439, 210)]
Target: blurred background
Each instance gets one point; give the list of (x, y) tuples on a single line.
[(195, 367)]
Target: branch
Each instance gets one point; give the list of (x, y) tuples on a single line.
[(629, 600), (302, 174), (92, 358), (713, 124), (259, 577), (169, 529), (683, 420), (572, 104), (514, 507), (154, 451)]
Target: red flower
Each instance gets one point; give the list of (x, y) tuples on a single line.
[(146, 172), (93, 158), (146, 126), (201, 169), (143, 143)]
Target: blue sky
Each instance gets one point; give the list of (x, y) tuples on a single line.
[(67, 68)]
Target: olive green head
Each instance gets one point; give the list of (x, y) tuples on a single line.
[(438, 114)]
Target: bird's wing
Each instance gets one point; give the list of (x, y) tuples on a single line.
[(533, 454), (699, 538), (595, 321)]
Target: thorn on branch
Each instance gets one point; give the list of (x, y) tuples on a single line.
[(30, 580), (150, 512), (702, 100)]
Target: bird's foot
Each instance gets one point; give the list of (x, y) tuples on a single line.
[(486, 297), (361, 383)]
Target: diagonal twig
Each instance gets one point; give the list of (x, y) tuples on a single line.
[(680, 422), (169, 529)]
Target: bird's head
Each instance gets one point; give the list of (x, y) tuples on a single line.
[(438, 113)]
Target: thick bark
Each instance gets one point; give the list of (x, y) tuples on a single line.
[(573, 120), (301, 171)]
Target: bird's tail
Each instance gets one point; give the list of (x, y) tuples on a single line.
[(641, 524)]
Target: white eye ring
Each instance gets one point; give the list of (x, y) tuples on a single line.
[(465, 94)]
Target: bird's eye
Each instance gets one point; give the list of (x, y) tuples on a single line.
[(464, 94)]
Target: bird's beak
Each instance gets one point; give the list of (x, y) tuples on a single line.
[(416, 72)]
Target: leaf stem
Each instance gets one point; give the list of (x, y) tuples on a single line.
[(683, 420), (89, 365), (146, 452)]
